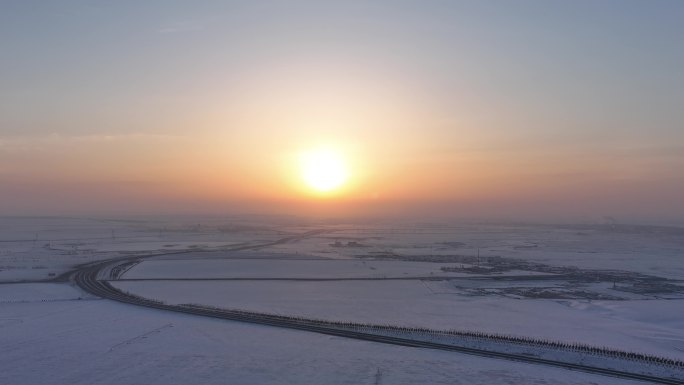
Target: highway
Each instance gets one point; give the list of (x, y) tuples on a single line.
[(87, 277)]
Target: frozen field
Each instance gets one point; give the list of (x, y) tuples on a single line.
[(619, 286), (101, 342), (643, 249), (35, 249), (287, 268), (651, 326)]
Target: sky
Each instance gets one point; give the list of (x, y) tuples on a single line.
[(554, 110)]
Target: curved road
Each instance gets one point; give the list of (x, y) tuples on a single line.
[(87, 279)]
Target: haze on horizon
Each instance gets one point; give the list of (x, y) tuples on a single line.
[(528, 109)]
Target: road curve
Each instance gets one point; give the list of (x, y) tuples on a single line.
[(87, 279)]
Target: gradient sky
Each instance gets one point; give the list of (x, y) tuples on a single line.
[(511, 109)]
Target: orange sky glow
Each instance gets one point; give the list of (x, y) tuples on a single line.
[(460, 111)]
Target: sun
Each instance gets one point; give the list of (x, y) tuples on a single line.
[(323, 170)]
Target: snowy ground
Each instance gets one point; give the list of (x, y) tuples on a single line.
[(497, 278), (285, 268), (93, 342), (656, 327), (42, 248)]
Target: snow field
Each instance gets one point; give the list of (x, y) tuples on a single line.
[(616, 324), (106, 343)]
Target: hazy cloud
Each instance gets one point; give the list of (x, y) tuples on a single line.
[(183, 26)]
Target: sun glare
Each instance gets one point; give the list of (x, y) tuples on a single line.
[(323, 170)]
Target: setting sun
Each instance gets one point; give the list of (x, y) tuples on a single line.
[(323, 170)]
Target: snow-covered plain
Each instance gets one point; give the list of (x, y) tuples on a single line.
[(34, 249), (54, 333), (655, 327), (101, 342), (285, 268)]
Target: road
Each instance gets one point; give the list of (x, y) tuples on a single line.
[(87, 278)]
